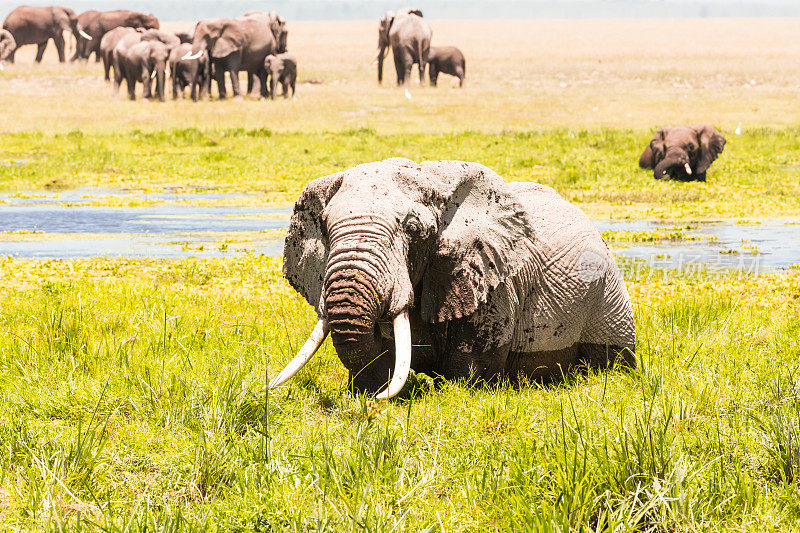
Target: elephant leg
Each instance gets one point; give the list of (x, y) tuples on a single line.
[(40, 51), (399, 64), (220, 77), (131, 81), (421, 72), (235, 83), (433, 74), (79, 47), (10, 58), (58, 40)]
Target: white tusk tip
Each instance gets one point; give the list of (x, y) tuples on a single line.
[(688, 169)]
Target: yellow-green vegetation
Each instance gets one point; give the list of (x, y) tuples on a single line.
[(133, 395), (596, 169)]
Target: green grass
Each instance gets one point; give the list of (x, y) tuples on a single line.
[(754, 177), (133, 400)]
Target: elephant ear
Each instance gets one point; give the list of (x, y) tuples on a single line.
[(61, 19), (711, 145), (484, 238), (230, 40), (305, 251), (647, 159)]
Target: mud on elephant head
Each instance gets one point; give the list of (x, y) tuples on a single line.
[(682, 152), (448, 252)]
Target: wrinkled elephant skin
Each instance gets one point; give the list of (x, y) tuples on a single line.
[(498, 280)]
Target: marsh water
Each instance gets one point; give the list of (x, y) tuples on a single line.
[(69, 225)]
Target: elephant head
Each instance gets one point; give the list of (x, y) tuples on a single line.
[(682, 152), (169, 39), (277, 25), (156, 56), (7, 45), (142, 20), (367, 245), (67, 20), (220, 37)]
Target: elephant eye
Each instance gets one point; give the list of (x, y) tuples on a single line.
[(690, 148), (413, 225)]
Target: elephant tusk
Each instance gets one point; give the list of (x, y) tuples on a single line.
[(152, 74), (85, 35), (376, 57), (688, 168), (402, 356), (189, 56), (304, 355)]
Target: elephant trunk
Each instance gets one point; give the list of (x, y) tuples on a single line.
[(379, 57), (161, 74), (674, 165), (360, 306), (273, 84)]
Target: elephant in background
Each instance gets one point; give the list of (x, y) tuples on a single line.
[(233, 45), (682, 153), (7, 46), (446, 268), (193, 73), (110, 41), (410, 39), (84, 19), (446, 60), (142, 62), (184, 37), (37, 25), (281, 68), (98, 23)]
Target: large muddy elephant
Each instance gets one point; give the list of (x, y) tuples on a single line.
[(682, 152), (233, 45), (37, 25), (446, 268), (410, 39), (97, 23), (7, 46)]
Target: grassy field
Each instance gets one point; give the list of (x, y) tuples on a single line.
[(133, 396), (757, 175), (132, 391)]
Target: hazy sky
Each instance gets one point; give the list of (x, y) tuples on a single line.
[(184, 10)]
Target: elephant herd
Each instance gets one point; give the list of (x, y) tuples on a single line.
[(409, 36), (132, 44)]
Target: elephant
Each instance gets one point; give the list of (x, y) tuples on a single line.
[(447, 60), (184, 37), (682, 152), (110, 41), (194, 73), (84, 19), (7, 46), (410, 38), (233, 45), (100, 23), (475, 279), (281, 68), (143, 61), (37, 25)]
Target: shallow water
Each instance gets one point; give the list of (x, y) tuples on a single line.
[(722, 245), (178, 231)]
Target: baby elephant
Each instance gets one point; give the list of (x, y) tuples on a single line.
[(281, 68), (448, 60), (682, 152)]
